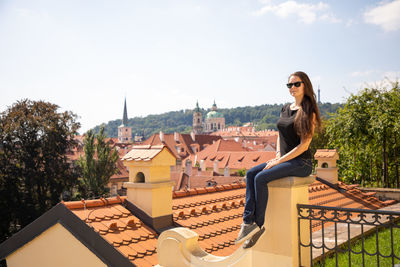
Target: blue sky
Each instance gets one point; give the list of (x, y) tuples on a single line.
[(87, 55)]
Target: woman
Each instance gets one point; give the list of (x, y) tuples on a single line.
[(293, 157)]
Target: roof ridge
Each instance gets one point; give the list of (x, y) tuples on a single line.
[(206, 190), (90, 203)]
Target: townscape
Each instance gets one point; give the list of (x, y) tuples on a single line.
[(195, 133)]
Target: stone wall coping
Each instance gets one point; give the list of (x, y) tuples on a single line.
[(378, 189), (292, 181)]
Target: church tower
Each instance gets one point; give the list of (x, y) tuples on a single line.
[(197, 120), (215, 120), (124, 132)]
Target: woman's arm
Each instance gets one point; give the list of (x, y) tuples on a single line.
[(298, 150), (278, 148)]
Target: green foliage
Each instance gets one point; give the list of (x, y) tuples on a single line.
[(242, 172), (320, 139), (97, 165), (264, 117), (366, 133), (34, 168)]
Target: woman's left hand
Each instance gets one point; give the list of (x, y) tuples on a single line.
[(272, 163)]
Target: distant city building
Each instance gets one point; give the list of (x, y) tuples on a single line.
[(197, 120), (214, 121), (319, 95), (182, 145), (124, 132), (247, 135)]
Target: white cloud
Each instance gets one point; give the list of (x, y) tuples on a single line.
[(386, 15), (375, 78), (329, 17), (362, 73), (306, 13)]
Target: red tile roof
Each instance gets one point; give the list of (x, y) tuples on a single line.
[(183, 141), (230, 154), (214, 213), (143, 152), (325, 153), (235, 131), (112, 221), (122, 172)]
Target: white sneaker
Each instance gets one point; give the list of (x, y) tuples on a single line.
[(246, 231)]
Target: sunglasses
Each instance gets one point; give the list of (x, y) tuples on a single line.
[(297, 84)]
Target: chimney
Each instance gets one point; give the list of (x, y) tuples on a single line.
[(216, 166), (188, 167), (226, 171), (193, 136), (149, 190), (161, 137), (176, 137), (327, 168), (202, 165)]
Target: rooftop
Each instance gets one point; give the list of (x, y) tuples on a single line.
[(214, 213)]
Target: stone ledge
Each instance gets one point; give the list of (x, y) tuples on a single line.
[(292, 181)]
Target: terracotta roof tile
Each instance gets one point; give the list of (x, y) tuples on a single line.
[(184, 141), (143, 152), (326, 153), (119, 227)]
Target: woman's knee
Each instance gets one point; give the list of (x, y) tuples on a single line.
[(251, 173), (260, 179), (255, 170)]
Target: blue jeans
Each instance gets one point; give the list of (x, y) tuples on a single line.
[(257, 189)]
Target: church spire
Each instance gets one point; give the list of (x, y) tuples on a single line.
[(125, 116)]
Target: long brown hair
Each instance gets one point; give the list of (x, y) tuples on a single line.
[(304, 117)]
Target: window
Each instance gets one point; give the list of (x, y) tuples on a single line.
[(324, 165), (139, 177)]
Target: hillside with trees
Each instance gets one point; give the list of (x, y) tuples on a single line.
[(263, 116)]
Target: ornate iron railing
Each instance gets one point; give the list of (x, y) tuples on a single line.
[(332, 231)]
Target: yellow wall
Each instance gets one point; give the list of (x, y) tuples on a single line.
[(164, 158), (54, 247), (154, 199)]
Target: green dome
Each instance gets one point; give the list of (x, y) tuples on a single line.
[(214, 114)]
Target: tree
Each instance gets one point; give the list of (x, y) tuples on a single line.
[(365, 131), (97, 165), (34, 167)]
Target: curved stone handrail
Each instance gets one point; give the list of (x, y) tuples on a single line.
[(179, 247)]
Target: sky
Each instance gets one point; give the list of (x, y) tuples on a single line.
[(86, 56)]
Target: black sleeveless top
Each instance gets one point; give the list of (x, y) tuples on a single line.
[(287, 134)]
